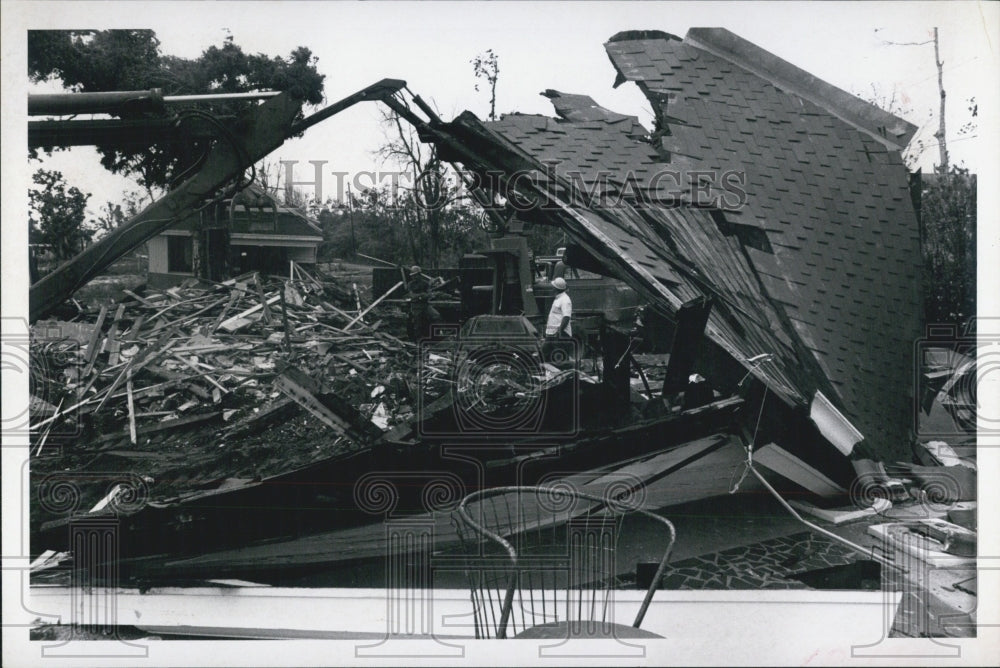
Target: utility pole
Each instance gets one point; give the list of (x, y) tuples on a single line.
[(940, 135)]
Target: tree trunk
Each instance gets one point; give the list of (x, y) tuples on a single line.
[(942, 143)]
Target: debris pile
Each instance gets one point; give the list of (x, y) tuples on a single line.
[(194, 385)]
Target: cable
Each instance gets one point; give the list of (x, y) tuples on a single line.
[(755, 362), (228, 136)]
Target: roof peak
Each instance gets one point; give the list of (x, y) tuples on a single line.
[(635, 35)]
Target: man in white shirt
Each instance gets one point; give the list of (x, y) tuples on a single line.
[(558, 326), (562, 310)]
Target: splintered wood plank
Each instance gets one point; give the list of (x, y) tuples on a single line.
[(134, 365), (233, 296), (91, 354), (133, 332), (141, 300), (375, 303), (350, 362), (194, 367), (131, 408), (166, 425), (112, 343), (302, 396), (239, 320), (264, 302)]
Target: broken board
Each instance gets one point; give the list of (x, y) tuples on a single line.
[(791, 467)]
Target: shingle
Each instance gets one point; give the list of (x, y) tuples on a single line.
[(817, 184)]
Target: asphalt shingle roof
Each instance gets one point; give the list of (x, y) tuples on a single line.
[(262, 218), (834, 203), (812, 250)]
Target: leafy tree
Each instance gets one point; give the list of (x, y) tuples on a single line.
[(948, 218), (385, 221), (58, 214), (119, 60), (113, 214)]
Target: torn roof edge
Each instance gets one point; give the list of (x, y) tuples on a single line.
[(883, 126), (636, 35), (890, 130)]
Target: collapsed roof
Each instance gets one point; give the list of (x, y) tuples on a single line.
[(781, 197)]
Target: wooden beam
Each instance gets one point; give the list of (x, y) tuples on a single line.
[(296, 390), (230, 325), (373, 305), (131, 408)]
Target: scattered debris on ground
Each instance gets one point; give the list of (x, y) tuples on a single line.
[(192, 384)]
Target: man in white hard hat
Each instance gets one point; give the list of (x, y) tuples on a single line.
[(558, 327), (422, 314)]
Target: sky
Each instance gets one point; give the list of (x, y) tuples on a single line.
[(860, 47)]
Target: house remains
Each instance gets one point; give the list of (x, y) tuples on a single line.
[(766, 222), (248, 232), (779, 197)]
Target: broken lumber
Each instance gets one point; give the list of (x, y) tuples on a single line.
[(295, 384), (232, 300), (194, 367), (233, 323), (134, 364), (92, 345), (373, 305), (131, 407), (141, 300), (165, 425), (111, 343), (264, 302)]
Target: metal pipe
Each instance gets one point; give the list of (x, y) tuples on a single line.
[(819, 529), (215, 97), (61, 104)]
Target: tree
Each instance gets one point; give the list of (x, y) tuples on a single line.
[(58, 215), (422, 207), (114, 214), (940, 135), (487, 67), (948, 217), (270, 177), (109, 60)]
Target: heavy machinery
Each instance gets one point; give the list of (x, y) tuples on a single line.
[(235, 144)]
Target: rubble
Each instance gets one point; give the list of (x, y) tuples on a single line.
[(189, 385)]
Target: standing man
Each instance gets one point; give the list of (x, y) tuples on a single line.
[(422, 314), (558, 329), (419, 291)]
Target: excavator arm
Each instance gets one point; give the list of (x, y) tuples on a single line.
[(255, 134)]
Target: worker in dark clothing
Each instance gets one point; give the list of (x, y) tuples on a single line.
[(422, 314)]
